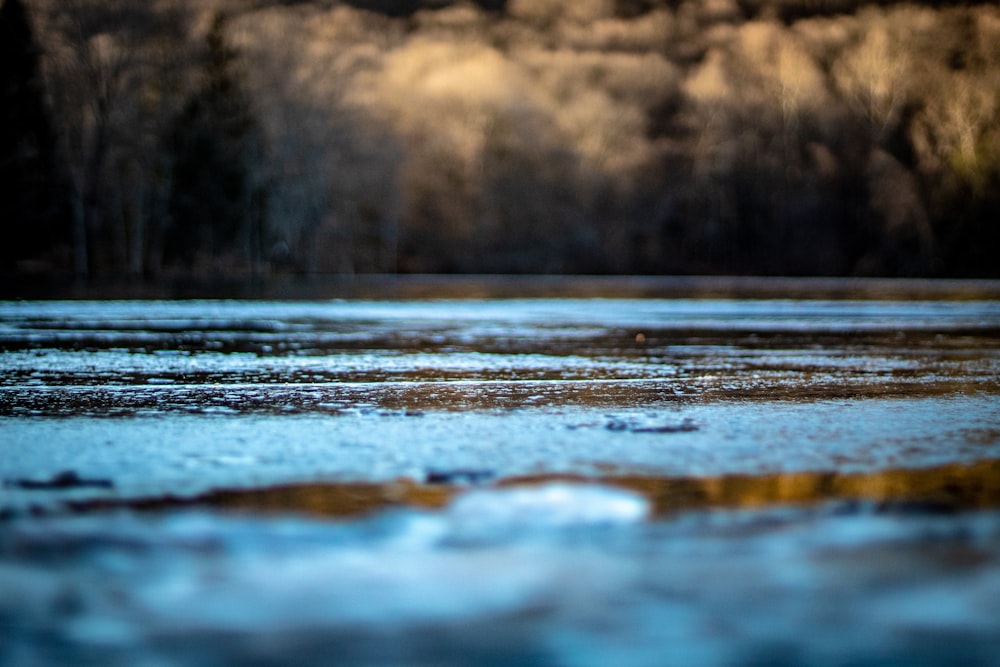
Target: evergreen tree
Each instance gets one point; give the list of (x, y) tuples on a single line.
[(33, 208), (214, 204)]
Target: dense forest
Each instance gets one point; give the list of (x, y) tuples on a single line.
[(252, 137)]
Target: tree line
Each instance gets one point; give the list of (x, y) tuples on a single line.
[(250, 137)]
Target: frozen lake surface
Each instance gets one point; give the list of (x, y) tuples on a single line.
[(537, 481)]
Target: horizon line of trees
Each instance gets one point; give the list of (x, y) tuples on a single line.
[(768, 137)]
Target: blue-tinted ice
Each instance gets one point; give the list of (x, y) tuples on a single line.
[(566, 575), (117, 403)]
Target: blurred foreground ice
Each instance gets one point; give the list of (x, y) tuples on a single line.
[(555, 574)]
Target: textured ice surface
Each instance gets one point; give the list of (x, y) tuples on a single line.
[(189, 454), (148, 399), (122, 358)]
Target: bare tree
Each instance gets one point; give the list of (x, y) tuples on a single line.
[(331, 167), (874, 77), (112, 72)]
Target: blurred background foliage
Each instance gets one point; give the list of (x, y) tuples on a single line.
[(253, 137)]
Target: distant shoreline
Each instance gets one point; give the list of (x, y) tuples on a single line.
[(490, 286)]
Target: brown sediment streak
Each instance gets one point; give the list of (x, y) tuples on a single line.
[(332, 499), (953, 486), (946, 487)]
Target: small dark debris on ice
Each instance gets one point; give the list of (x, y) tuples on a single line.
[(458, 476), (67, 479), (686, 426)]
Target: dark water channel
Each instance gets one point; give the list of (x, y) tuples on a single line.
[(545, 481)]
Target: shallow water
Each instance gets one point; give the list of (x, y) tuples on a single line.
[(542, 481)]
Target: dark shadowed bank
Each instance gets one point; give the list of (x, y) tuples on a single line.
[(485, 286), (234, 138)]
